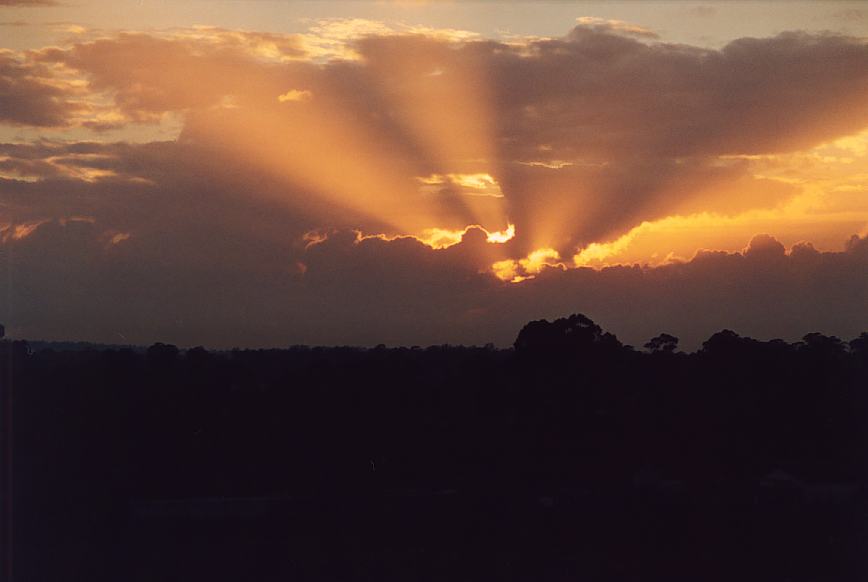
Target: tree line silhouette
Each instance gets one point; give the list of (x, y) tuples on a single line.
[(569, 456)]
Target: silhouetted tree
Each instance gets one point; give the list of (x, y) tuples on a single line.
[(663, 343), (575, 335), (161, 354), (827, 345), (859, 346)]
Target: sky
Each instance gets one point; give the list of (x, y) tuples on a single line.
[(266, 173)]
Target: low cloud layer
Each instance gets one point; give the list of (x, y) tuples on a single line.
[(74, 279)]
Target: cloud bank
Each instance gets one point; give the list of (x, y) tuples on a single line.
[(113, 286)]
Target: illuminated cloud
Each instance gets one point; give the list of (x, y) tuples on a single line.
[(295, 95), (600, 252), (501, 236), (441, 238), (467, 184), (507, 270), (454, 107), (118, 237), (516, 271), (551, 164), (447, 179), (337, 39), (572, 162), (32, 94), (18, 231), (615, 26)]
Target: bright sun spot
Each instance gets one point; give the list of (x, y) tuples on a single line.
[(599, 252), (295, 95), (441, 238), (536, 260), (526, 268), (502, 236)]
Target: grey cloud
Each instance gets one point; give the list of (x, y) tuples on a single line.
[(67, 281), (28, 96)]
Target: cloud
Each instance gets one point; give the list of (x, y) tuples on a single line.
[(585, 136), (295, 95), (70, 281), (30, 94), (616, 27), (404, 151), (764, 246), (480, 184)]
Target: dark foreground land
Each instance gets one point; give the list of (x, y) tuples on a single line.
[(570, 457)]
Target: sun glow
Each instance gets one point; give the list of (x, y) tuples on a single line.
[(436, 238), (19, 231), (502, 236), (507, 270), (516, 271), (597, 253), (539, 258), (443, 101), (313, 136), (479, 184), (295, 95), (393, 129)]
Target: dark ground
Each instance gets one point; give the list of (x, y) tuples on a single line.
[(571, 457)]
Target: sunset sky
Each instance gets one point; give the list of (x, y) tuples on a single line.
[(266, 173)]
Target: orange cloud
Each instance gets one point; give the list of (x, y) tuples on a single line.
[(524, 160), (295, 95), (571, 161)]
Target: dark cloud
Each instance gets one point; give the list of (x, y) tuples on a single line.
[(765, 246), (188, 210), (28, 95), (70, 280), (597, 96)]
